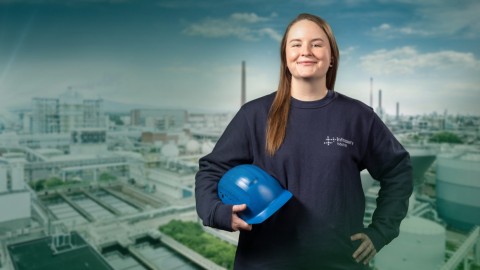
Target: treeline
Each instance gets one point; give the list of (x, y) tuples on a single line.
[(46, 183), (194, 237), (445, 137), (54, 181)]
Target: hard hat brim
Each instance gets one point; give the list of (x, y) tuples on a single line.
[(272, 208)]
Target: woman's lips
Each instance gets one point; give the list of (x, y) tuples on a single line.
[(306, 62)]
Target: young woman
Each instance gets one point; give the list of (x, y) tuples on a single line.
[(315, 142)]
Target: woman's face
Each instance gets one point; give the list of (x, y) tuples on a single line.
[(308, 52)]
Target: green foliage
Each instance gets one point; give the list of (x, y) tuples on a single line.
[(51, 182), (192, 235), (445, 137), (107, 177), (416, 137), (116, 119), (38, 185)]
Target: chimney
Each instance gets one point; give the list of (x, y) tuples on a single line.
[(398, 111), (371, 92), (243, 94), (380, 98)]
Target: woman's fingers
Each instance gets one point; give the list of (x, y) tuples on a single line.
[(239, 208), (238, 223), (366, 251)]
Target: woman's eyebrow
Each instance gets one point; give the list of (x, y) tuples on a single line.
[(318, 39), (299, 40), (294, 40)]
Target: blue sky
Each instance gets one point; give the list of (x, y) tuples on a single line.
[(187, 54)]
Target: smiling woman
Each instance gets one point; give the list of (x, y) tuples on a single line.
[(290, 134), (124, 55), (308, 58)]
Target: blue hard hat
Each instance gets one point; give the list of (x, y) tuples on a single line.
[(250, 185)]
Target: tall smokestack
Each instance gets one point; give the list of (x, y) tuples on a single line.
[(398, 111), (379, 108), (244, 94), (371, 92), (380, 98)]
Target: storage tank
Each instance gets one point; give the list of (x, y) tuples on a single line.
[(192, 146), (170, 150), (420, 245), (207, 147), (458, 189), (422, 157)]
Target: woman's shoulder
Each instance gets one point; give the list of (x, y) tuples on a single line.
[(261, 103), (353, 104)]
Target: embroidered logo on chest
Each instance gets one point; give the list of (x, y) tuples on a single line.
[(338, 141)]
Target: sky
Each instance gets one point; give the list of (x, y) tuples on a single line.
[(425, 55)]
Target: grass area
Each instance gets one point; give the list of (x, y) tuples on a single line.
[(194, 237)]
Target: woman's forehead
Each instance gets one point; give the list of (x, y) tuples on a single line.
[(306, 29)]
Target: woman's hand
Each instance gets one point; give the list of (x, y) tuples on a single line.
[(366, 251), (238, 223)]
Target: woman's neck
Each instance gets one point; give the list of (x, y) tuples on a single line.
[(308, 90)]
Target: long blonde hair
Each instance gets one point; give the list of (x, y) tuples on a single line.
[(278, 114)]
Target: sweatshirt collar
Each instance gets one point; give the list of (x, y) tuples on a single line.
[(315, 103)]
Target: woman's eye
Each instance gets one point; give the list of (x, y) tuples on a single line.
[(296, 45), (317, 45)]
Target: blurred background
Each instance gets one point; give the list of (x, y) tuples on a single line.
[(107, 105)]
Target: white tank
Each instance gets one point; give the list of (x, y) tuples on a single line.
[(207, 147), (458, 189), (192, 146), (170, 150), (420, 245)]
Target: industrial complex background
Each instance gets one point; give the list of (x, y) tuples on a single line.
[(81, 185)]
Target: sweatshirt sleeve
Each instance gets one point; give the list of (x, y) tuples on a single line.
[(388, 162), (233, 148)]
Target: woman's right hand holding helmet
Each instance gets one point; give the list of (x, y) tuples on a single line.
[(237, 222)]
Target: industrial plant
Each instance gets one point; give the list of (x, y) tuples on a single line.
[(82, 185)]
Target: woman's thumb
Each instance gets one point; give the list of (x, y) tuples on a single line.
[(239, 208)]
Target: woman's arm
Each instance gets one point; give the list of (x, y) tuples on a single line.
[(388, 162), (233, 148)]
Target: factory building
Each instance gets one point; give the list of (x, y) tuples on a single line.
[(69, 111), (13, 192)]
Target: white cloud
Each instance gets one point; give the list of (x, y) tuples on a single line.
[(456, 18), (247, 18), (389, 31), (245, 26), (270, 33), (407, 60), (435, 18), (61, 2), (348, 51)]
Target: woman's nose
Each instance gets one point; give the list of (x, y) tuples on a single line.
[(306, 50)]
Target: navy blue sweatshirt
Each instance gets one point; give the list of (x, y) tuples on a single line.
[(327, 143)]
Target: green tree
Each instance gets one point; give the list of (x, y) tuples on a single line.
[(116, 119), (445, 137), (38, 185), (107, 177), (53, 182)]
